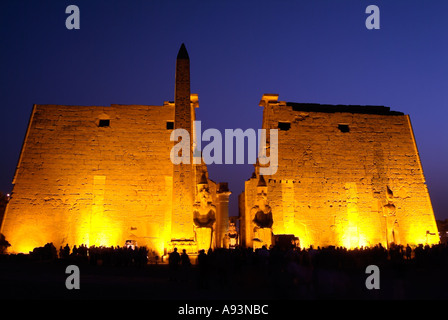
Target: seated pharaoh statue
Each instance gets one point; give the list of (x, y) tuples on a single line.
[(262, 217), (204, 216)]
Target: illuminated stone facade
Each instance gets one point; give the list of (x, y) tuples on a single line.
[(99, 175), (347, 176)]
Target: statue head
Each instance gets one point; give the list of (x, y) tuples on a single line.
[(203, 193), (203, 190), (262, 195), (262, 191)]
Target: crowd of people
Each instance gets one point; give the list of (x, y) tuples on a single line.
[(283, 270), (96, 255), (102, 255), (326, 272), (327, 257)]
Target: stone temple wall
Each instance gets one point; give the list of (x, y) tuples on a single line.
[(347, 176), (93, 175), (100, 176)]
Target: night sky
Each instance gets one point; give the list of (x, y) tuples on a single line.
[(305, 51)]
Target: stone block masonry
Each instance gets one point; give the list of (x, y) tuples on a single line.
[(347, 176), (81, 182), (97, 175)]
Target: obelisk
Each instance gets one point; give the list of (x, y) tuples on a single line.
[(183, 173)]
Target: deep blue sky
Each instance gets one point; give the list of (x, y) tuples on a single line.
[(306, 51)]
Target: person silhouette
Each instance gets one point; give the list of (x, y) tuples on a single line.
[(203, 270), (185, 265), (173, 262)]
